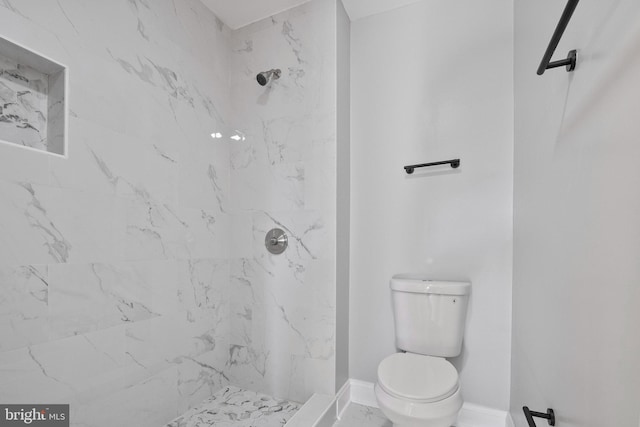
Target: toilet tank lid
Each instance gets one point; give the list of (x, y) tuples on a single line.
[(421, 284)]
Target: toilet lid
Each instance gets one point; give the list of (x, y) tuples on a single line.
[(418, 377)]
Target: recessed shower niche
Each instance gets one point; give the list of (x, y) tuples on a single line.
[(32, 100)]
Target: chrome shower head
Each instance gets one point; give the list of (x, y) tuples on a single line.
[(264, 77)]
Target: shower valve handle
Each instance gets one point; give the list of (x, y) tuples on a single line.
[(276, 241)]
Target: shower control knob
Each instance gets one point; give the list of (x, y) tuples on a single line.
[(276, 241)]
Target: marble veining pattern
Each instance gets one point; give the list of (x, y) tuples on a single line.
[(233, 406), (283, 175), (362, 416), (114, 267), (24, 106), (134, 282)]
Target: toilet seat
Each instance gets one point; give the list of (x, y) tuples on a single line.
[(417, 378)]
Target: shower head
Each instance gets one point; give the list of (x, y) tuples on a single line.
[(264, 77)]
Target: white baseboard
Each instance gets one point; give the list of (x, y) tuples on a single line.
[(471, 415), (480, 416)]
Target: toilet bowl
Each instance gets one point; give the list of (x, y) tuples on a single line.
[(415, 390), (419, 387)]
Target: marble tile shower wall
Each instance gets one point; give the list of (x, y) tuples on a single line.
[(133, 277), (114, 267), (284, 175)]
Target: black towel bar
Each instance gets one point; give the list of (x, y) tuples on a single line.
[(455, 163), (570, 62)]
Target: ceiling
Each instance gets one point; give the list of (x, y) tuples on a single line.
[(360, 8), (238, 13)]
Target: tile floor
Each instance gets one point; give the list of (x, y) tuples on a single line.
[(236, 407), (362, 416)]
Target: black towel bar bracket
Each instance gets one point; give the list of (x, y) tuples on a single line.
[(455, 163), (550, 416), (570, 62)]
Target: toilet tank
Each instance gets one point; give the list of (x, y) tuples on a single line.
[(429, 315)]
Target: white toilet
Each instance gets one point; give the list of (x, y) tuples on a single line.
[(420, 388)]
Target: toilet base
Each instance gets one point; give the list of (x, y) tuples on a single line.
[(403, 413)]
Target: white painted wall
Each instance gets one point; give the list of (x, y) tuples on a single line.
[(433, 81), (577, 234)]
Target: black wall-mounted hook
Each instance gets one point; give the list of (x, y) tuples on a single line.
[(455, 163), (550, 416)]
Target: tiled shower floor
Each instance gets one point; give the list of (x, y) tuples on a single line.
[(233, 406)]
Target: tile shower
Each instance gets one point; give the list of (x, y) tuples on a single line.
[(133, 276)]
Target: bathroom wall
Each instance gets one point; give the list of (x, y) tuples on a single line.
[(284, 175), (577, 234), (114, 263), (433, 81), (134, 276), (343, 194)]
